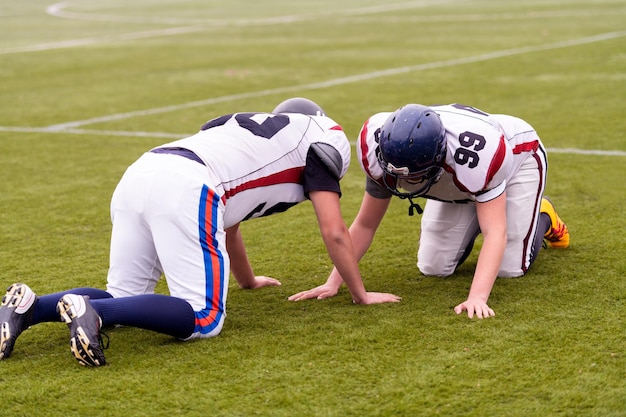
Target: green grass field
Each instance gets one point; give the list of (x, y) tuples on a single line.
[(86, 87)]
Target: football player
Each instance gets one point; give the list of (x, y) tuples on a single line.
[(480, 173), (176, 211)]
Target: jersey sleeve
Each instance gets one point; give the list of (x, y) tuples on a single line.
[(334, 137), (367, 146), (376, 190), (318, 176)]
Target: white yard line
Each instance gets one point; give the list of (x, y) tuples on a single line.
[(73, 43), (575, 151), (174, 136), (202, 25), (58, 10), (95, 132), (482, 17), (341, 81), (184, 25)]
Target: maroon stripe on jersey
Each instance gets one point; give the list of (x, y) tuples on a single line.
[(292, 175), (364, 149), (530, 236), (496, 162), (526, 147), (456, 181)]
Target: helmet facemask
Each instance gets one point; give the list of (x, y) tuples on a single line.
[(411, 151), (405, 184)]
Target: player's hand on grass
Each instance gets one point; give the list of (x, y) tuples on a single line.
[(327, 291), (381, 297), (320, 292), (475, 306), (261, 281)]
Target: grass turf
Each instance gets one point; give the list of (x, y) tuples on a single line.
[(556, 345)]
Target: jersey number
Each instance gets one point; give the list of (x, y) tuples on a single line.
[(263, 126), (467, 154), (267, 128)]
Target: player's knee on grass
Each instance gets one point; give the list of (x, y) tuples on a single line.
[(434, 270), (510, 273), (208, 323)]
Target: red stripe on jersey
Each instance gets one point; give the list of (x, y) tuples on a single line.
[(496, 162), (456, 181), (364, 149), (337, 127), (292, 175), (526, 147)]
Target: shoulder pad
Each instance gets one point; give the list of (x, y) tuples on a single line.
[(330, 156)]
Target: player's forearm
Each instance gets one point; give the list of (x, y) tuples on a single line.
[(239, 263), (242, 271), (481, 287), (487, 268), (361, 240), (342, 254), (492, 221), (355, 286), (335, 278)]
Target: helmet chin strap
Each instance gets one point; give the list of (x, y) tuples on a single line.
[(394, 190), (421, 193), (414, 206)]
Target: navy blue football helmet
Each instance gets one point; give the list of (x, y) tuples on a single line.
[(412, 144), (299, 105)]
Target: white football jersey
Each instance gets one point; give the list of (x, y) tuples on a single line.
[(483, 152), (256, 160)]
